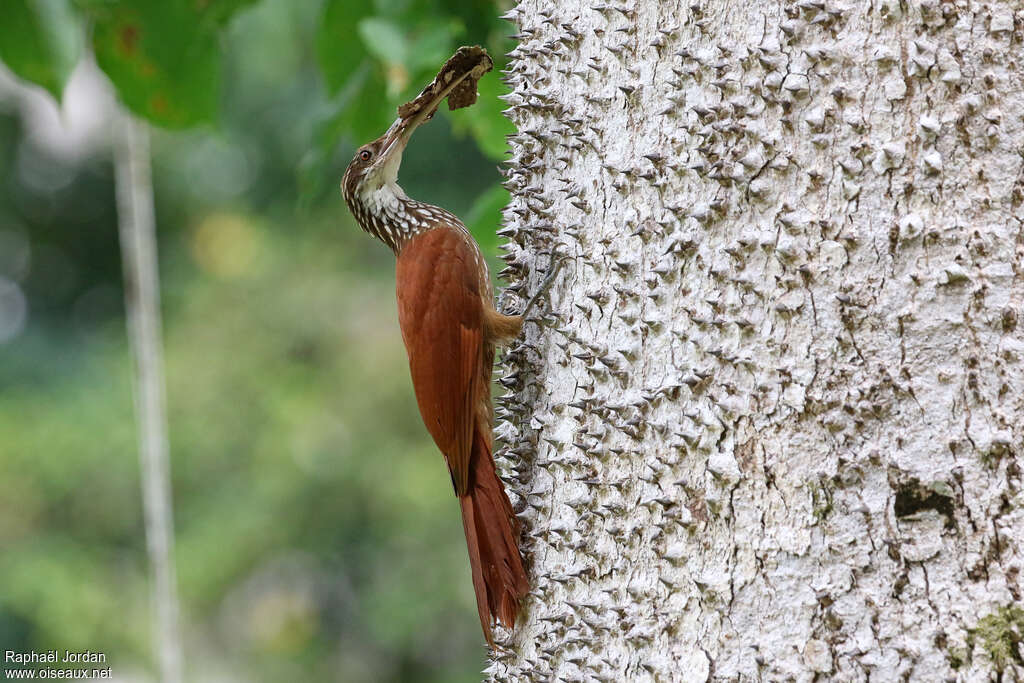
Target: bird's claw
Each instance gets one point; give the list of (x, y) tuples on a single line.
[(546, 284)]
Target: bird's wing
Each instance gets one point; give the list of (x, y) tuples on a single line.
[(440, 312)]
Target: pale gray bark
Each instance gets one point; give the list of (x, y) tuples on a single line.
[(772, 428), (137, 230)]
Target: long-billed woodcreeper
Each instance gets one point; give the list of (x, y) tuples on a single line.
[(450, 327)]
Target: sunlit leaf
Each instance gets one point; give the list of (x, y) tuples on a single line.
[(431, 44), (384, 40)]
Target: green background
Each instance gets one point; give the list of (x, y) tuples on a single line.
[(317, 535)]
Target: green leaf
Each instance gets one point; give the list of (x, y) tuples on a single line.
[(220, 12), (485, 120), (330, 125), (484, 218), (433, 42), (393, 8), (40, 42), (384, 40), (410, 55), (163, 62), (337, 48)]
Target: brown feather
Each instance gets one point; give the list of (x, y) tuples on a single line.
[(450, 328), (500, 328), (492, 533), (441, 315)]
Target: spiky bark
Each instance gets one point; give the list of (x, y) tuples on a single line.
[(773, 424)]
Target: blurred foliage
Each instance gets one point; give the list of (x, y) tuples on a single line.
[(317, 536), (39, 42)]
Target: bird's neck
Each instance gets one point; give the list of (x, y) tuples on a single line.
[(391, 216)]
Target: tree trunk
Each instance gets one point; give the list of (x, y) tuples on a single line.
[(770, 426)]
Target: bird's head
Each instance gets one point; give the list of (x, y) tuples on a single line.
[(370, 185), (375, 164)]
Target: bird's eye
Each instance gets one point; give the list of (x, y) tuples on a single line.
[(365, 155)]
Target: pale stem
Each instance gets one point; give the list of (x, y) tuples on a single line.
[(142, 302)]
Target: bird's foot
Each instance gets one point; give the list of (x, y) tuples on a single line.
[(558, 260)]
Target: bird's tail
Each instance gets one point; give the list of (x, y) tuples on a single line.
[(492, 536)]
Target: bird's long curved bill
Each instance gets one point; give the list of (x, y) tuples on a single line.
[(397, 136)]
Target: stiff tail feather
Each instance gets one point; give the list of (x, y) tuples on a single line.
[(492, 537)]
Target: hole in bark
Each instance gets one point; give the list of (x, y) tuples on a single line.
[(912, 498)]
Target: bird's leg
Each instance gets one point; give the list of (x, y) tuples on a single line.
[(502, 327), (544, 286)]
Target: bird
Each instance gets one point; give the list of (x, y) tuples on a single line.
[(451, 330)]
